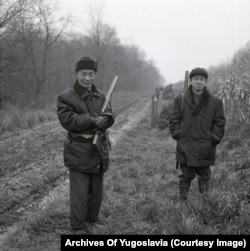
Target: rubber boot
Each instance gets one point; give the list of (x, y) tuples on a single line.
[(203, 185), (184, 186)]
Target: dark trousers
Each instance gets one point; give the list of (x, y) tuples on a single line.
[(86, 191), (188, 173)]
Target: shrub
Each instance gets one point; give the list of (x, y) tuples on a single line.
[(163, 120)]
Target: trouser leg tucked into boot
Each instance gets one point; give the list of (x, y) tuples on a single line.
[(204, 175), (187, 175), (184, 186), (203, 185)]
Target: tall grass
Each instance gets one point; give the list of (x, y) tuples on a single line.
[(14, 118)]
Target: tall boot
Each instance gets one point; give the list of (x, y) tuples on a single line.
[(203, 185), (184, 186)]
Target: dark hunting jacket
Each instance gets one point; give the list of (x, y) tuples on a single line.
[(202, 129), (75, 109)]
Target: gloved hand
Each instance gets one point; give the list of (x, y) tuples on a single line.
[(101, 122)]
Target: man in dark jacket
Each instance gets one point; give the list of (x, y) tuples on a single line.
[(197, 123), (79, 112)]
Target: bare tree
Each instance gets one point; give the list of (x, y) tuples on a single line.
[(48, 36), (39, 57), (9, 9), (103, 36), (36, 31)]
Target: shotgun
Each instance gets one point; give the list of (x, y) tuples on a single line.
[(186, 81), (96, 141), (182, 102), (184, 89)]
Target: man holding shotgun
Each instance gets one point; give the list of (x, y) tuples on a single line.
[(197, 123), (86, 114)]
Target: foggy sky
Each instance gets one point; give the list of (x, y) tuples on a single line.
[(177, 34)]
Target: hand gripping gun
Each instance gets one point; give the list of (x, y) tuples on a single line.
[(96, 141)]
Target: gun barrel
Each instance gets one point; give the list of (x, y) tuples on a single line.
[(96, 137), (186, 81), (109, 93)]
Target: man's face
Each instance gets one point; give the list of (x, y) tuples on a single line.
[(86, 77), (198, 82)]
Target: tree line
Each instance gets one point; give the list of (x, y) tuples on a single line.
[(38, 54)]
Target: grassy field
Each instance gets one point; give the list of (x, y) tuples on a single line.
[(141, 194)]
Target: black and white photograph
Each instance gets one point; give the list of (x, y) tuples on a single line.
[(124, 124)]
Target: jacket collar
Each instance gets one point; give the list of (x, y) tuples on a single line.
[(84, 92), (204, 99)]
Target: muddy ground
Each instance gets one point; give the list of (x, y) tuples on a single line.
[(32, 173)]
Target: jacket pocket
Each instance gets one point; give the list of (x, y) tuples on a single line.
[(180, 154), (80, 156), (215, 139), (207, 150)]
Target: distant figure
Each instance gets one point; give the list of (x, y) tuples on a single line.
[(198, 125), (79, 112), (157, 92)]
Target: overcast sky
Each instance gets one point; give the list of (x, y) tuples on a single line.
[(177, 34)]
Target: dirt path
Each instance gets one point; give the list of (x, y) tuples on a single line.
[(32, 174)]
